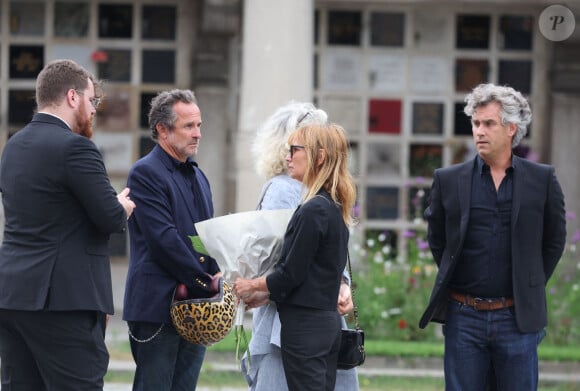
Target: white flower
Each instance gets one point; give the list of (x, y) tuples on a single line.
[(382, 237), (386, 250), (379, 290), (395, 311)]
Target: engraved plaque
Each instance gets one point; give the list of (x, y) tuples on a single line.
[(382, 203), (469, 73), (158, 66), (516, 74), (473, 31), (424, 159), (158, 22), (387, 29), (516, 32), (427, 118), (21, 106), (26, 61), (71, 19), (117, 67), (344, 27), (385, 116)]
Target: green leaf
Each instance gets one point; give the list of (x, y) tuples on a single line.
[(198, 245)]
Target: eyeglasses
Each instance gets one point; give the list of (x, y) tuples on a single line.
[(304, 116), (94, 100), (293, 148)]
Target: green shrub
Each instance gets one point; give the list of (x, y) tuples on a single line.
[(392, 290)]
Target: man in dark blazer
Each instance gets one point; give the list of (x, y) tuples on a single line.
[(496, 228), (60, 208), (171, 194)]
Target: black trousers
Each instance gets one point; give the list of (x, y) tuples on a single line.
[(52, 351), (310, 340)]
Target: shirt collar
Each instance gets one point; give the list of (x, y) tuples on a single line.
[(481, 166)]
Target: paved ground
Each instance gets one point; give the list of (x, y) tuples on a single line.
[(117, 330)]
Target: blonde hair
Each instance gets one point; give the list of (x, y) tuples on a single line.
[(332, 174), (269, 147)]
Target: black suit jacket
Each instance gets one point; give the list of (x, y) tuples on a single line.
[(313, 256), (538, 235), (60, 209)]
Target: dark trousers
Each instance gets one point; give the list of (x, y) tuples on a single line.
[(310, 340), (165, 361), (52, 350)]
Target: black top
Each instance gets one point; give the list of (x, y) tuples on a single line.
[(484, 268), (313, 256)]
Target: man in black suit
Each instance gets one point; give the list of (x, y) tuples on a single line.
[(60, 208), (497, 230)]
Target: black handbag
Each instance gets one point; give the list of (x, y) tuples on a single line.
[(352, 341)]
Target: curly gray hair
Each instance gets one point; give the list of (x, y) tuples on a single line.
[(269, 147), (515, 109)]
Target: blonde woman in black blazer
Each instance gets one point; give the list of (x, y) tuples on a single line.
[(306, 281)]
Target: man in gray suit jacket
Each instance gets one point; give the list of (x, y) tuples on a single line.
[(60, 208), (497, 230)]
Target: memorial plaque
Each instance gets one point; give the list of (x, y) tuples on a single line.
[(115, 21), (145, 106), (114, 110), (427, 118), (158, 22), (344, 27), (345, 111), (516, 74), (461, 122), (432, 29), (430, 74), (27, 18), (342, 70), (26, 61), (473, 31), (387, 29), (116, 148), (382, 203), (21, 106), (424, 159), (516, 32), (117, 67), (469, 73), (385, 116), (158, 66), (71, 19), (387, 72), (383, 160), (146, 144)]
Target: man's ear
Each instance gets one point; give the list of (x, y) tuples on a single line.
[(162, 130), (321, 156)]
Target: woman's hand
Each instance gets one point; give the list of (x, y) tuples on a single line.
[(257, 299), (244, 287), (345, 304)]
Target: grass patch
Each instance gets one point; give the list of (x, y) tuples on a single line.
[(120, 350)]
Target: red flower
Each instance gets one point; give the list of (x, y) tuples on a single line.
[(402, 324)]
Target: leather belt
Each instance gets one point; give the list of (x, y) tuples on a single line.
[(481, 304)]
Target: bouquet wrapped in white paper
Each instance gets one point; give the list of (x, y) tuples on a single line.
[(246, 244)]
